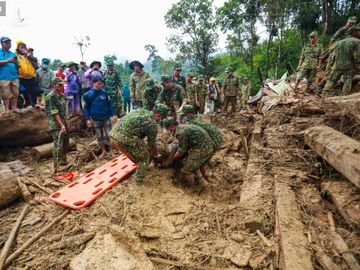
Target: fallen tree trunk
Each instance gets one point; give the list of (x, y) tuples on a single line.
[(45, 150), (342, 152), (28, 128), (9, 188)]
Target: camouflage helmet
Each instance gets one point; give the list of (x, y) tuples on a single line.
[(228, 69), (354, 28), (57, 80), (149, 83), (313, 33), (177, 66), (165, 78), (109, 62), (352, 19), (201, 78), (187, 109), (161, 109), (169, 121), (190, 74)]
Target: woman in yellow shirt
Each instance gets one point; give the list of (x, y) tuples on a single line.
[(27, 74)]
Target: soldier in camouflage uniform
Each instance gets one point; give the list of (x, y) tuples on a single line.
[(177, 78), (137, 83), (171, 95), (309, 60), (160, 112), (230, 89), (55, 106), (190, 90), (188, 114), (340, 34), (194, 142), (113, 85), (201, 91), (150, 94), (245, 91), (127, 136), (347, 61)]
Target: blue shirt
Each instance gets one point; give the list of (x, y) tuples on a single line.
[(126, 91), (98, 105), (8, 71)]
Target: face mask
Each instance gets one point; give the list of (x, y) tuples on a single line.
[(229, 73), (45, 66)]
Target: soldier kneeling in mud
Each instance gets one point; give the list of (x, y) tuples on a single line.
[(195, 146)]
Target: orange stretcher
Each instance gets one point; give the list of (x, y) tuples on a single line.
[(86, 189)]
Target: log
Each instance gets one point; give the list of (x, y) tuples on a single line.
[(341, 246), (45, 151), (12, 235), (9, 188), (22, 129), (324, 260), (346, 200), (293, 243), (29, 128), (342, 152)]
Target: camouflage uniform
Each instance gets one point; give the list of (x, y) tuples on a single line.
[(201, 92), (195, 141), (230, 89), (150, 94), (168, 97), (309, 60), (245, 92), (340, 34), (190, 93), (55, 104), (128, 134), (137, 85), (112, 85), (214, 133), (346, 64)]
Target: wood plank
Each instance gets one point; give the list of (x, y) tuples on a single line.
[(346, 198), (294, 254), (341, 151)]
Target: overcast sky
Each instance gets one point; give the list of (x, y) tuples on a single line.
[(118, 27)]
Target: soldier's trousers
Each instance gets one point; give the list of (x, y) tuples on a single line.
[(308, 73), (232, 101), (61, 147), (335, 76), (117, 101), (135, 149), (196, 158)]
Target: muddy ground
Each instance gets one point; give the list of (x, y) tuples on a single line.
[(233, 224)]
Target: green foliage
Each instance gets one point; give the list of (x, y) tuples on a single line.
[(55, 64), (197, 37)]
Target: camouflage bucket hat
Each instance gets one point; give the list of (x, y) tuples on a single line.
[(352, 19), (169, 121), (149, 83), (201, 78), (57, 80), (187, 109), (228, 69), (190, 74), (313, 33), (162, 109)]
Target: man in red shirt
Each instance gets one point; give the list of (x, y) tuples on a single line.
[(60, 74)]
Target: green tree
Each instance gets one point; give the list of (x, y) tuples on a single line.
[(154, 58), (55, 64), (197, 37)]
